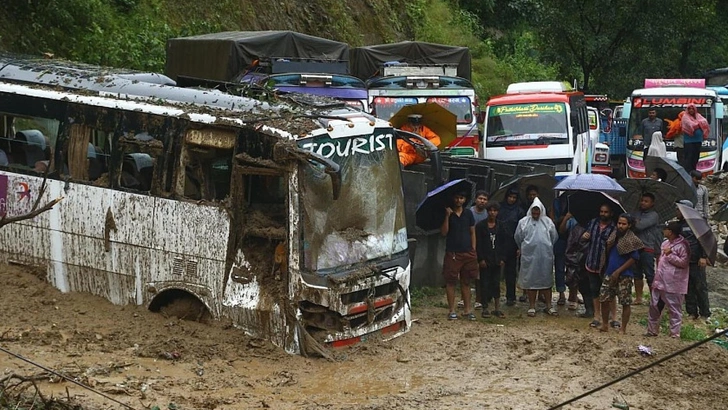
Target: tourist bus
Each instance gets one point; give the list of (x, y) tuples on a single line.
[(237, 212), (669, 97), (541, 122)]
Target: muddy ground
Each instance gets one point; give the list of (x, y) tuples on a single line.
[(145, 359)]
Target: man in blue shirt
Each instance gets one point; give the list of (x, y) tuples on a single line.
[(623, 248)]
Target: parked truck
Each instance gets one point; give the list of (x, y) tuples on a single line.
[(286, 61)]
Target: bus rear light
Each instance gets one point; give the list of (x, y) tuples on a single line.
[(346, 342), (392, 328)]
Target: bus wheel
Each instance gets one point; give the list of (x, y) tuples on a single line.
[(180, 304)]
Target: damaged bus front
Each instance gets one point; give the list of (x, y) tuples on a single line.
[(291, 225)]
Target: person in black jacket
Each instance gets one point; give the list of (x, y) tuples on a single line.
[(697, 303), (492, 246)]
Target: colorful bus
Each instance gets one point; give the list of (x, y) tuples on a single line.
[(232, 211), (541, 122), (388, 94), (668, 97)]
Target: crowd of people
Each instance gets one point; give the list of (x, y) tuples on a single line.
[(599, 262)]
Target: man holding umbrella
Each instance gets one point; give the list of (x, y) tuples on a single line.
[(696, 301), (408, 154), (647, 230)]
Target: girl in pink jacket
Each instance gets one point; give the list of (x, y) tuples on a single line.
[(671, 281)]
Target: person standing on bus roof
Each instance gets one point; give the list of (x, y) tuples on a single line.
[(408, 155), (695, 129), (648, 127)]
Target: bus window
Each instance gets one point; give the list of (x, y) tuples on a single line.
[(85, 158), (28, 142), (462, 107), (139, 152), (207, 161)]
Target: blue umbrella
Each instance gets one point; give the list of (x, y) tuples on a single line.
[(590, 182), (431, 211)]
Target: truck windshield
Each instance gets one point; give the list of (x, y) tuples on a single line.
[(527, 124), (460, 106), (386, 107), (367, 221)]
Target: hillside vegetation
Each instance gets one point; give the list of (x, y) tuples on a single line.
[(608, 46), (133, 33)]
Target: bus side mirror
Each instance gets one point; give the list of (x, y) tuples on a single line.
[(285, 151)]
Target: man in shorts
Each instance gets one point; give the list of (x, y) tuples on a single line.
[(623, 248), (461, 262)]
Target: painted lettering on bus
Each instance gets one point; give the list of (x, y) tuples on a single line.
[(526, 109), (671, 102), (351, 146)]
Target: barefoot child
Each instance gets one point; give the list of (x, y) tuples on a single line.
[(671, 280), (623, 251)]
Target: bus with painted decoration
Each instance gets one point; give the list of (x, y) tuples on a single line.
[(236, 212), (389, 94), (669, 97), (543, 122)]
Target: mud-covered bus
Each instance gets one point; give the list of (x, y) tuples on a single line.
[(289, 222), (541, 122), (669, 97)]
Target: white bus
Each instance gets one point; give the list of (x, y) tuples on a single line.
[(292, 225), (541, 122)]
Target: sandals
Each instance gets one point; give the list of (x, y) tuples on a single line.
[(485, 314), (531, 312), (499, 314), (573, 305), (452, 316), (648, 334), (478, 305), (470, 316), (551, 311), (595, 323), (561, 301), (615, 324)]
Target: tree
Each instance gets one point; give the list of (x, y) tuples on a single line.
[(588, 34)]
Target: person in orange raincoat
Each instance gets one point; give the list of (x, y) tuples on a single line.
[(408, 155)]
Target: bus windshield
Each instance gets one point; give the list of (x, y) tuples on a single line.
[(668, 115), (527, 124), (367, 221)]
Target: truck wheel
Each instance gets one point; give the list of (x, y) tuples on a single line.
[(618, 172)]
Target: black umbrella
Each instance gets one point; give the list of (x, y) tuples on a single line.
[(544, 182), (665, 196), (431, 211), (676, 176), (585, 205), (701, 229), (722, 213)]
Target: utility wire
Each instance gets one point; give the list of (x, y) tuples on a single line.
[(66, 378), (641, 369)]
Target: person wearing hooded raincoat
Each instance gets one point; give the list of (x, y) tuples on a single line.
[(657, 147), (695, 129), (535, 236)]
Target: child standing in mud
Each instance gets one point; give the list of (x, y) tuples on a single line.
[(460, 263)]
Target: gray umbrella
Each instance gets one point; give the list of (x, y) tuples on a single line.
[(676, 175), (665, 196), (702, 231)]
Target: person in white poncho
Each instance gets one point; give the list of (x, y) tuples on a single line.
[(535, 236), (657, 147)]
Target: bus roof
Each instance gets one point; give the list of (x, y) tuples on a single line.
[(276, 123), (530, 98), (660, 91)]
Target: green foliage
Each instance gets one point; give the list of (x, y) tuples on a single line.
[(423, 296), (691, 333)]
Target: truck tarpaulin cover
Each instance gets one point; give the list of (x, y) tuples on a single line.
[(367, 61), (222, 56)]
